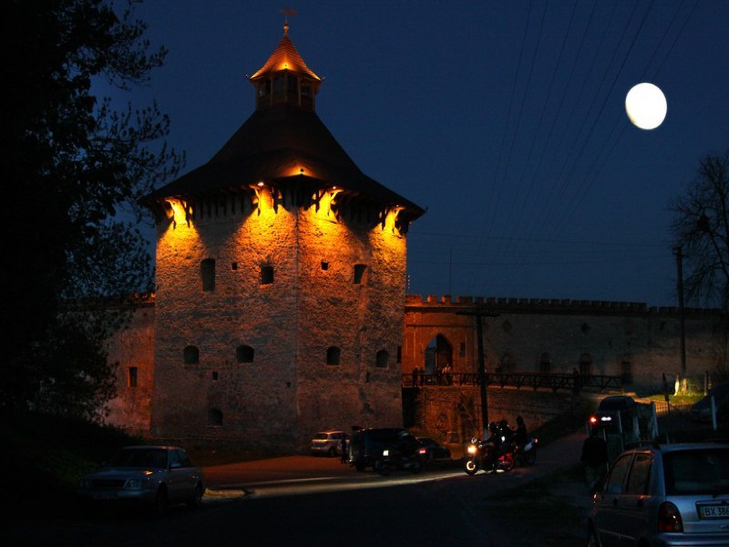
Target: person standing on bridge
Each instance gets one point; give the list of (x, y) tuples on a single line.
[(448, 373), (576, 381)]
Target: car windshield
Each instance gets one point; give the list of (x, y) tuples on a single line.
[(320, 437), (140, 457), (702, 471)]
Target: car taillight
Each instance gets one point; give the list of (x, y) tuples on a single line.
[(669, 518), (593, 420), (422, 450)]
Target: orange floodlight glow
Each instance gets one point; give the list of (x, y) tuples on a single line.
[(390, 223), (181, 232), (178, 214)]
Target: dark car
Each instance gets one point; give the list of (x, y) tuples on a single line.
[(436, 452), (614, 413), (374, 447), (150, 476), (701, 410), (668, 494)]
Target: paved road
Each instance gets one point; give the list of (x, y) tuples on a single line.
[(307, 474), (317, 501)]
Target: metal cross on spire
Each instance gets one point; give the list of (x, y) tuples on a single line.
[(287, 12)]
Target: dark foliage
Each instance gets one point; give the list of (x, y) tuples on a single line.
[(49, 454), (73, 170), (701, 227)]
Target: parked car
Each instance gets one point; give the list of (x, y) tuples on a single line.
[(152, 476), (436, 452), (327, 443), (373, 447), (672, 494), (701, 410)]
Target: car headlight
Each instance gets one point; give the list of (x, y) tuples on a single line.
[(385, 452), (134, 484)]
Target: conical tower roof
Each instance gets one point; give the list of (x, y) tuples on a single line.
[(285, 57)]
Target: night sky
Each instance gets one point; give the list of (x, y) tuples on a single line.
[(505, 119)]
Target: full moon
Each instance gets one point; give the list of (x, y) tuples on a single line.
[(646, 106)]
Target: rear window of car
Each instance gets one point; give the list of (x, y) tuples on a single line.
[(321, 437), (703, 471), (613, 404)]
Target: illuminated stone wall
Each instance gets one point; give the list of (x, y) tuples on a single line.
[(447, 409), (255, 400), (361, 319), (288, 391), (133, 347), (610, 333)]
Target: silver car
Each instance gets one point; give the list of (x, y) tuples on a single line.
[(153, 476), (669, 494), (327, 443)]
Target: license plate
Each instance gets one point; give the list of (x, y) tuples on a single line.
[(714, 511)]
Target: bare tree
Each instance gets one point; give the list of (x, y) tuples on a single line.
[(701, 227)]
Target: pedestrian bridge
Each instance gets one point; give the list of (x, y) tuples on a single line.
[(535, 380)]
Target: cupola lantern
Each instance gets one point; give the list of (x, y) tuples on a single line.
[(285, 78)]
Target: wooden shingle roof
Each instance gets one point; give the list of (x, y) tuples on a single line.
[(274, 144), (285, 57)]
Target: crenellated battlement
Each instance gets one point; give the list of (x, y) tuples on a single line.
[(545, 305)]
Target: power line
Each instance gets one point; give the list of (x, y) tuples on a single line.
[(489, 219)]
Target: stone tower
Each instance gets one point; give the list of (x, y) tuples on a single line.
[(280, 281)]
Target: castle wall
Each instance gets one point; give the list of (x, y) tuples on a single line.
[(608, 334), (445, 410), (288, 391), (133, 348), (359, 318), (220, 399)]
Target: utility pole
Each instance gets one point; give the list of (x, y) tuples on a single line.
[(679, 267), (450, 270), (478, 314)]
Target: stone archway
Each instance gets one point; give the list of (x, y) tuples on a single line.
[(438, 352)]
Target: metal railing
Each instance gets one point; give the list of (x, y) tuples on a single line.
[(535, 380)]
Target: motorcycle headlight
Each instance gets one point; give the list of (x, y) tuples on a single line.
[(471, 449), (134, 484), (385, 452)]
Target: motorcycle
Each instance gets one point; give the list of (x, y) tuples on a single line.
[(527, 454), (393, 459), (479, 458)]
